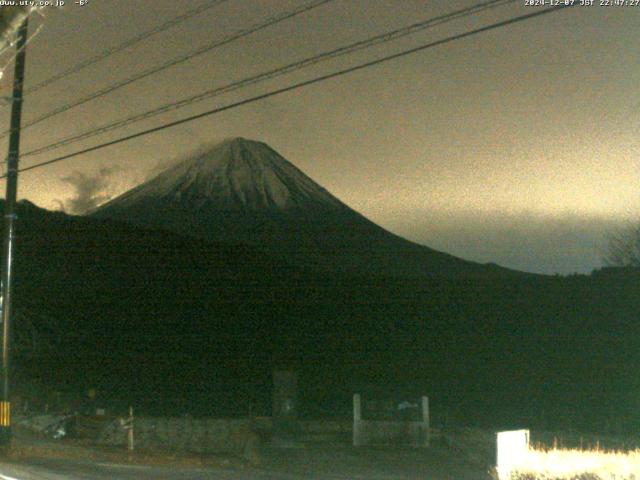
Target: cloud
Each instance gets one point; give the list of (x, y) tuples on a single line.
[(89, 190)]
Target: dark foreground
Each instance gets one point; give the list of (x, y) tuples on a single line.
[(315, 462)]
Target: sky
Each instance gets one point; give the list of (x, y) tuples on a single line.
[(517, 146)]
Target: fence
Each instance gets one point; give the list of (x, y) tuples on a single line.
[(198, 435), (384, 432)]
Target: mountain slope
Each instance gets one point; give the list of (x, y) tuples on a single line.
[(154, 313), (172, 324), (244, 191)]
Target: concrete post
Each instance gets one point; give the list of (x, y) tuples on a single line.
[(130, 444), (426, 438), (357, 420), (285, 395), (285, 407)]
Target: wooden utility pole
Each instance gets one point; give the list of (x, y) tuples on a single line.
[(9, 222)]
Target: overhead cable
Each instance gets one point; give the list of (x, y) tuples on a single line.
[(270, 74), (124, 45), (134, 78), (305, 83)]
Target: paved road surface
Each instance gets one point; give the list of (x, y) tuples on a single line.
[(64, 469), (276, 464)]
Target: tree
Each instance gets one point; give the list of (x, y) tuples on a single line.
[(623, 249)]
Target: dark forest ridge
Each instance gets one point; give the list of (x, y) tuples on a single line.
[(174, 323)]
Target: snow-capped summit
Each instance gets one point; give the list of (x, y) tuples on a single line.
[(237, 174), (244, 191)]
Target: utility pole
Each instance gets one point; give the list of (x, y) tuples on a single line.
[(9, 221)]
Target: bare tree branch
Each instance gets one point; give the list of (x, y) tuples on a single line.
[(623, 249)]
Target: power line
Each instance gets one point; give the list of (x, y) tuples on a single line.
[(124, 45), (353, 47), (122, 83), (305, 83)]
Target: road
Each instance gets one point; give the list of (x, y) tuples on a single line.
[(326, 463), (65, 469)]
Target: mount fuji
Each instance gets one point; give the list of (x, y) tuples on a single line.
[(243, 191)]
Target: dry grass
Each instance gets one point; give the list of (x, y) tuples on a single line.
[(559, 464), (25, 448)]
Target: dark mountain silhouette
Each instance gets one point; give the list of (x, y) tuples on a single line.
[(244, 191), (173, 324)]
